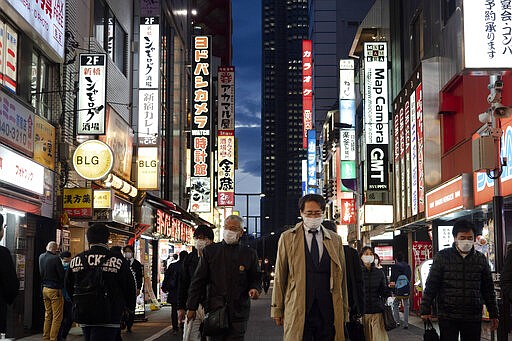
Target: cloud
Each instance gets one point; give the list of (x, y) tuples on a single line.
[(249, 149)]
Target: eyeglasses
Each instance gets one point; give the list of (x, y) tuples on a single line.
[(311, 214)]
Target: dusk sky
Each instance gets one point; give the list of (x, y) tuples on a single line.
[(247, 62)]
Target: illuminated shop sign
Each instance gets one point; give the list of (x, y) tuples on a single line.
[(147, 168), (91, 94), (21, 172), (307, 89), (77, 202), (312, 183), (93, 160), (46, 17), (376, 116), (16, 125), (200, 181), (226, 98), (226, 168)]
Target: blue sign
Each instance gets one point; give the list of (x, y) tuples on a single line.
[(312, 184)]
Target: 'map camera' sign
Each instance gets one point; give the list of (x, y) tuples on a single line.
[(376, 115)]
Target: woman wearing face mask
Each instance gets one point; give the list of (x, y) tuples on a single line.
[(375, 294), (203, 236)]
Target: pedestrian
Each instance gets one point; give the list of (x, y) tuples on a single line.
[(310, 287), (266, 270), (460, 280), (9, 283), (230, 274), (400, 282), (376, 292), (67, 315), (52, 278), (100, 283), (506, 275), (203, 236), (136, 268), (171, 286)]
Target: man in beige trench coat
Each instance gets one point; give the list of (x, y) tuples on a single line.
[(310, 290)]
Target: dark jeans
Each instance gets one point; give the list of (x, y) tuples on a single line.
[(318, 327), (174, 316), (100, 333), (469, 330), (236, 332), (67, 320)]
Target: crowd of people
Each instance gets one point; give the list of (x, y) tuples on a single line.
[(323, 290)]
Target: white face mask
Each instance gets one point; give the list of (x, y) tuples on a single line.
[(312, 223), (367, 259), (465, 245), (200, 244), (230, 237), (128, 255)]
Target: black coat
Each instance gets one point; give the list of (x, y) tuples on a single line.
[(461, 286), (189, 268), (117, 275), (354, 281), (171, 283), (375, 290), (506, 277), (137, 270), (9, 285), (227, 272)]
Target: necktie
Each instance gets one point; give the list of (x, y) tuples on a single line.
[(314, 248)]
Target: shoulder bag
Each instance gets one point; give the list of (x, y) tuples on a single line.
[(216, 322), (430, 333)]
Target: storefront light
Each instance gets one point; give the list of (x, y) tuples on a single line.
[(6, 210)]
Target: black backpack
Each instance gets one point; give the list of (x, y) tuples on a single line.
[(91, 297)]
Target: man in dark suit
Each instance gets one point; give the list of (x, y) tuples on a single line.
[(9, 283), (136, 268)]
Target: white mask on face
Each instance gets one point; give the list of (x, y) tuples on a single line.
[(230, 237), (367, 259), (465, 245), (200, 244), (312, 223), (128, 255)]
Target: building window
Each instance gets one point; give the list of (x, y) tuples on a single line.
[(110, 35), (41, 74)]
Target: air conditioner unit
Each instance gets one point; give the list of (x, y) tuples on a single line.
[(484, 153)]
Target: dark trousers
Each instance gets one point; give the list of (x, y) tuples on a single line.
[(318, 327), (3, 317), (469, 330), (174, 316), (236, 332), (266, 282), (67, 320), (129, 319), (100, 333)]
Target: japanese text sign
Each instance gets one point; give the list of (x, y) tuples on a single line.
[(307, 89), (149, 53), (312, 182), (487, 34), (147, 167), (201, 124), (44, 143), (77, 202), (91, 94), (16, 125), (47, 18), (348, 211), (8, 56), (226, 168), (226, 98), (21, 172)]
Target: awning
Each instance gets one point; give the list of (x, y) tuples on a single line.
[(176, 210)]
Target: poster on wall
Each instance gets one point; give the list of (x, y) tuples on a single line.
[(421, 251)]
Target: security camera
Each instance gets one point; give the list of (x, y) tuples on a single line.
[(501, 111)]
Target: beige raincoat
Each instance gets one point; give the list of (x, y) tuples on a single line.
[(289, 294)]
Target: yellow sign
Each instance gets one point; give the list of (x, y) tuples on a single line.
[(93, 160), (147, 168), (77, 202), (102, 198), (44, 143)]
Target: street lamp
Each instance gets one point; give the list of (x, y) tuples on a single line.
[(247, 195)]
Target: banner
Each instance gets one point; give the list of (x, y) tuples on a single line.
[(307, 89), (225, 168), (91, 94)]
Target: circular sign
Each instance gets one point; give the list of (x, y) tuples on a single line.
[(93, 160)]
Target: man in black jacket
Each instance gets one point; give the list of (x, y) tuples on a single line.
[(171, 286), (460, 278), (9, 283), (136, 268), (231, 275), (52, 277), (100, 284)]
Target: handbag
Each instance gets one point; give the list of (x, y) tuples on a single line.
[(389, 320), (216, 322), (355, 330), (430, 333)]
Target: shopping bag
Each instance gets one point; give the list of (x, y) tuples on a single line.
[(355, 330), (389, 320), (430, 333)]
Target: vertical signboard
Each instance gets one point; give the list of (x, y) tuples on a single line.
[(304, 164), (396, 163), (407, 131), (414, 154), (226, 136), (147, 168), (200, 182), (312, 184), (91, 94), (16, 125), (11, 58), (376, 116), (421, 143), (225, 168), (307, 90)]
